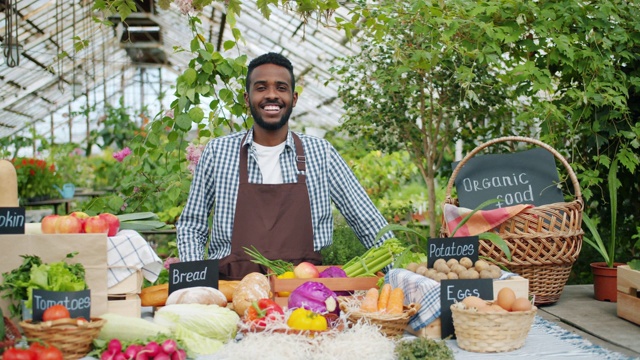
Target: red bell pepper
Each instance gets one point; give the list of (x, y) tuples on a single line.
[(264, 310)]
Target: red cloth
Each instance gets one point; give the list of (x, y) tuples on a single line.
[(481, 221)]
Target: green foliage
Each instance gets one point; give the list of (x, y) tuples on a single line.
[(345, 247), (36, 178), (608, 250)]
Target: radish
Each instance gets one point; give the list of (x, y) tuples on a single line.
[(169, 346), (119, 356), (114, 346), (179, 354), (132, 351), (107, 355), (153, 348)]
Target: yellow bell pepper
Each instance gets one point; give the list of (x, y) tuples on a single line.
[(303, 319), (286, 275)]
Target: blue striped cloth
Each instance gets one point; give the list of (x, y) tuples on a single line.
[(419, 290)]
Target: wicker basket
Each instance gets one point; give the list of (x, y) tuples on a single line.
[(491, 332), (544, 240), (390, 325), (73, 337)]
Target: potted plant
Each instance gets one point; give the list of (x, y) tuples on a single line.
[(605, 272), (35, 179)]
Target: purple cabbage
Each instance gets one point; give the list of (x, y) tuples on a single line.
[(335, 272), (314, 296)]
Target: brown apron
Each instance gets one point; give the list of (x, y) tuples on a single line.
[(275, 218)]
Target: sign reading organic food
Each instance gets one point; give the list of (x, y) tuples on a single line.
[(12, 220), (452, 248), (526, 177), (193, 273), (453, 291), (77, 302)]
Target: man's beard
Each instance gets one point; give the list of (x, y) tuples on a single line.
[(270, 126)]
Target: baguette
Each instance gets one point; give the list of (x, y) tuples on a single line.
[(155, 295), (9, 181)]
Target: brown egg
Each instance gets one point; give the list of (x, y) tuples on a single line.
[(505, 298), (493, 308), (474, 302), (521, 304)]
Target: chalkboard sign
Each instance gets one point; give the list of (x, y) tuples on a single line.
[(77, 302), (526, 177), (193, 273), (452, 291), (12, 220), (452, 248)]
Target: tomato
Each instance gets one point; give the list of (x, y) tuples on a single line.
[(19, 354), (46, 352), (56, 312)]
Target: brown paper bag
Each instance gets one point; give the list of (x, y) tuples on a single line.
[(92, 254)]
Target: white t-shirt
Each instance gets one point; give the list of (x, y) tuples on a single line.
[(269, 162)]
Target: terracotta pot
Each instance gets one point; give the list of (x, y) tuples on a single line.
[(605, 281)]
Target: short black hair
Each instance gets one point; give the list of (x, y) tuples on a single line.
[(271, 58)]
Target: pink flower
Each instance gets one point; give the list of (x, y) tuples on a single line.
[(169, 261), (169, 113), (120, 155), (186, 6), (193, 156), (76, 151)]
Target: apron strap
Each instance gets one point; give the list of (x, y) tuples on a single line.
[(300, 160)]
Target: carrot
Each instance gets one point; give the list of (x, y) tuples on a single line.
[(370, 302), (384, 297), (396, 300)]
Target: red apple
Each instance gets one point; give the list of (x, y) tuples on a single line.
[(83, 216), (113, 221), (68, 224), (48, 224), (96, 224), (306, 270)]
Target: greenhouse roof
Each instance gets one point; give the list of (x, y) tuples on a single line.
[(139, 55)]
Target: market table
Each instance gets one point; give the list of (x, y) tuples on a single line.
[(54, 202)]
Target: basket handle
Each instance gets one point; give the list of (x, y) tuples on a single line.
[(572, 175)]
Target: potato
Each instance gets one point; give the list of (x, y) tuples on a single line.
[(458, 269), (439, 261), (442, 268), (481, 265), (452, 262), (466, 262), (431, 273), (488, 274), (470, 274), (441, 276), (452, 276), (412, 267), (421, 270)]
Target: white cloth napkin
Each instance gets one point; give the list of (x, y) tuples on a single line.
[(128, 252)]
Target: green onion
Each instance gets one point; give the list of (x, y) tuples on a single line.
[(279, 267), (372, 261)]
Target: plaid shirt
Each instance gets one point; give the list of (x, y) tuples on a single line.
[(215, 187)]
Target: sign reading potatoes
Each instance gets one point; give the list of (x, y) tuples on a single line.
[(526, 177)]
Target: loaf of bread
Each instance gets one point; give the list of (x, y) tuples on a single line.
[(197, 295), (155, 295), (252, 287), (227, 287)]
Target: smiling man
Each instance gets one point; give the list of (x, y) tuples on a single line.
[(271, 188)]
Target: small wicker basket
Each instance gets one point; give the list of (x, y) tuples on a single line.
[(544, 240), (390, 325), (491, 332), (72, 336)]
